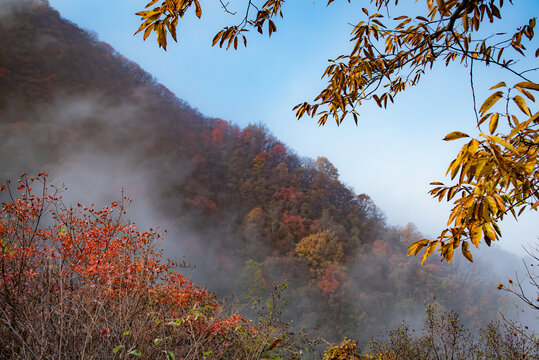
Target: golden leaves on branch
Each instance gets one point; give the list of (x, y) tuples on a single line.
[(495, 175), (165, 18), (391, 54), (231, 34)]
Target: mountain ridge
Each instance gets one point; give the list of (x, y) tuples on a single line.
[(243, 206)]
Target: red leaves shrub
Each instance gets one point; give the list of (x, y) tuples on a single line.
[(79, 282), (332, 279), (279, 152), (294, 224), (217, 135), (286, 193)]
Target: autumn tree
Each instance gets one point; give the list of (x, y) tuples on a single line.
[(320, 249), (495, 173)]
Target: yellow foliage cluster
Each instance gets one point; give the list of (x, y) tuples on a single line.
[(346, 350), (320, 249)]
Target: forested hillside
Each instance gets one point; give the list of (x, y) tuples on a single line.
[(243, 207)]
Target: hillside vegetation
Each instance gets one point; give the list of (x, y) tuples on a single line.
[(245, 209)]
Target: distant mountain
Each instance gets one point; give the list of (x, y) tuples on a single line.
[(239, 203)]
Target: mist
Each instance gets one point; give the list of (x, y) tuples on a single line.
[(234, 202)]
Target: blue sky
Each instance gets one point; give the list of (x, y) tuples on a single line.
[(392, 155)]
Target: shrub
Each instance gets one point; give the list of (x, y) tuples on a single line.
[(85, 283), (444, 338)]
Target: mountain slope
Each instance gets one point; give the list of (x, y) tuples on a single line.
[(240, 204)]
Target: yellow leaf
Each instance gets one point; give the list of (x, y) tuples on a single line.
[(140, 28), (473, 146), (180, 4), (498, 140), (499, 202), (529, 85), (498, 85), (467, 254), (148, 31), (198, 9), (492, 204), (526, 93), (535, 117), (479, 167), (453, 215), (483, 118), (502, 142), (161, 35), (521, 103), (151, 3), (455, 135), (171, 29), (489, 233), (519, 128), (217, 37), (493, 123), (475, 235), (490, 101), (429, 251), (448, 254), (417, 246)]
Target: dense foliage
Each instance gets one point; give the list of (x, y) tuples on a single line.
[(246, 209)]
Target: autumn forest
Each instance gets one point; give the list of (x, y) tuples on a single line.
[(224, 244)]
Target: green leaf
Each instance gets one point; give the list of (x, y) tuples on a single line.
[(135, 352), (209, 352), (176, 322), (170, 355), (117, 348)]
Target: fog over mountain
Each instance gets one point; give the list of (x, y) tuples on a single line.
[(237, 203)]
